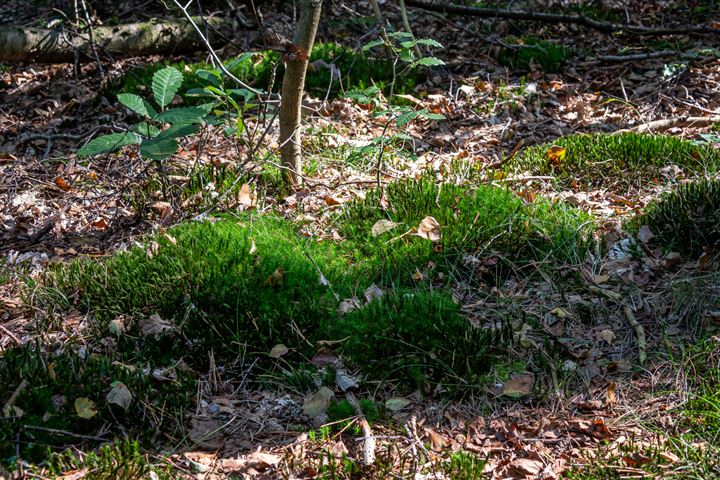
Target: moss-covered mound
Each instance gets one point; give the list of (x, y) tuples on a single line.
[(416, 337), (228, 285), (475, 220), (524, 54), (686, 219), (601, 159)]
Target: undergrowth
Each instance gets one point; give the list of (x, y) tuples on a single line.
[(687, 219)]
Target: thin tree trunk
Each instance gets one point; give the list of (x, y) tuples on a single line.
[(129, 40), (296, 61)]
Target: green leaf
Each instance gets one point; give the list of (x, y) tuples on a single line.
[(176, 131), (372, 44), (429, 62), (212, 76), (146, 129), (429, 42), (407, 56), (433, 116), (408, 117), (198, 92), (137, 104), (165, 85), (237, 61), (182, 115), (158, 149), (108, 143)]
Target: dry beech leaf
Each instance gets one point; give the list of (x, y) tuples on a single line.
[(119, 395), (245, 196), (519, 386), (85, 408), (156, 327), (278, 350), (276, 279), (608, 336), (62, 184), (429, 228), (348, 305), (644, 234), (316, 403), (525, 467), (610, 394), (372, 292), (556, 155), (382, 226)]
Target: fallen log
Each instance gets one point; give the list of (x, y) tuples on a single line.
[(37, 45)]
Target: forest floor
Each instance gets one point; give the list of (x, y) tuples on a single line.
[(575, 393)]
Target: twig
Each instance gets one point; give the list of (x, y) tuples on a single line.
[(664, 123), (65, 432), (18, 390), (211, 50), (607, 27), (639, 334), (368, 437), (11, 335), (636, 56), (406, 27)]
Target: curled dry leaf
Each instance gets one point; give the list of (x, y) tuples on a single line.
[(372, 292), (644, 234), (156, 327), (85, 408), (245, 197), (315, 404), (429, 229), (382, 226), (278, 350), (119, 395), (607, 336), (348, 305), (519, 386)]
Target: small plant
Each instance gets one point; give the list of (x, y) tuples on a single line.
[(155, 142), (118, 460), (464, 466), (523, 54), (686, 219)]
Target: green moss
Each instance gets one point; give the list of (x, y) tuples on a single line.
[(342, 410), (597, 159), (522, 54), (224, 295), (475, 220), (417, 338), (686, 219)]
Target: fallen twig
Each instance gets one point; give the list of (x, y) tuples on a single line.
[(639, 334), (368, 437), (664, 123), (607, 27), (18, 390)]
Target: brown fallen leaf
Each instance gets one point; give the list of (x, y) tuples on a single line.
[(522, 467), (437, 441), (429, 229), (382, 226), (519, 386)]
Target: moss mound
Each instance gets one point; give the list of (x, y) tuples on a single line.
[(475, 220), (686, 219), (598, 158), (228, 285), (416, 337)]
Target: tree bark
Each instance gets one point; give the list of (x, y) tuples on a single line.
[(134, 39), (296, 61)]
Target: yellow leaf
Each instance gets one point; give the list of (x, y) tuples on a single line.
[(85, 408), (556, 155)]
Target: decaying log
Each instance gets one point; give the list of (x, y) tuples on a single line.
[(39, 45)]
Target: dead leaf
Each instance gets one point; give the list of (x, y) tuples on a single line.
[(395, 404), (119, 395), (525, 467), (316, 404), (372, 292), (117, 326), (610, 394), (276, 279), (382, 226), (85, 408), (429, 229), (437, 440), (607, 335), (519, 386), (556, 155), (72, 474), (245, 197), (62, 184), (644, 234), (348, 305), (156, 327), (278, 350)]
